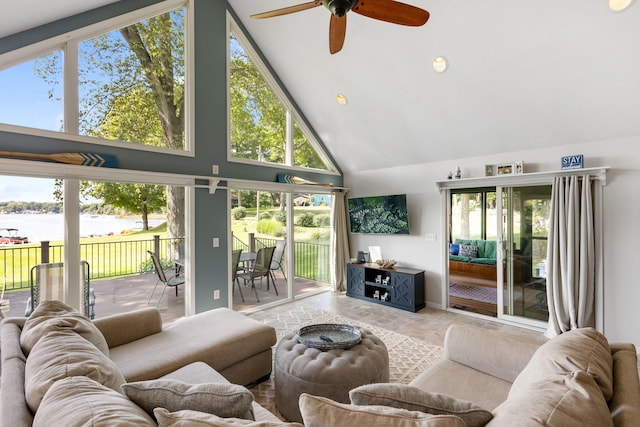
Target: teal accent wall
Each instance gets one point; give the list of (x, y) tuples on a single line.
[(211, 214), (209, 137)]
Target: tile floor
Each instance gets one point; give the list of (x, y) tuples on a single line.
[(429, 325)]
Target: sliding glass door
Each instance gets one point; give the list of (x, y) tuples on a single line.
[(525, 224), (297, 226), (497, 251)]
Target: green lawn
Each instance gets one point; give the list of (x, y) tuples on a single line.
[(108, 256)]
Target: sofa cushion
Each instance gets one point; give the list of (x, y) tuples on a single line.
[(454, 248), (468, 251), (564, 400), (80, 401), (321, 412), (583, 349), (189, 418), (413, 399), (51, 315), (223, 399), (61, 354), (627, 385)]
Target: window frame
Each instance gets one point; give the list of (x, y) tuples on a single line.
[(292, 114), (68, 43)]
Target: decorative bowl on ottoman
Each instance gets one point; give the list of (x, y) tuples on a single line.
[(329, 336)]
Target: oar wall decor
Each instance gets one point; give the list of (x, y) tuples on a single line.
[(291, 179), (80, 159)]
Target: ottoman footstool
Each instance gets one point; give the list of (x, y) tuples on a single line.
[(331, 373)]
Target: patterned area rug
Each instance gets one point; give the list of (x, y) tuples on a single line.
[(408, 357)]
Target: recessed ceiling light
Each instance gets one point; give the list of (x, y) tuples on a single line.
[(618, 5), (440, 64), (341, 99)]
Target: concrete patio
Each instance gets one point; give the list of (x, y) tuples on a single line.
[(129, 293)]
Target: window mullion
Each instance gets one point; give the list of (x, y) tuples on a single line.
[(289, 139), (70, 90)]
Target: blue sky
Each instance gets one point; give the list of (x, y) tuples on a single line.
[(26, 189), (25, 102), (25, 99)]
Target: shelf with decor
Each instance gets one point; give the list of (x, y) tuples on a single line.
[(398, 287)]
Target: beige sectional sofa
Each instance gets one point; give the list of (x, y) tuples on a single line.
[(495, 379), (58, 366)]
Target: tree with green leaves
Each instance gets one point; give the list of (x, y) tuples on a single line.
[(259, 118), (131, 86), (139, 198)]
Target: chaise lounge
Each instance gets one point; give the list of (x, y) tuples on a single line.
[(57, 347)]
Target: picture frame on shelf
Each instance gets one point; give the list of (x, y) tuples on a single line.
[(519, 167), (505, 168), (489, 170)]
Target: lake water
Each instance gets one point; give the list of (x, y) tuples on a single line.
[(51, 226)]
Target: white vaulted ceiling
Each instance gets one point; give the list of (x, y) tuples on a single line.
[(521, 74)]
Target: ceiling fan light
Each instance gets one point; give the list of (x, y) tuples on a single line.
[(440, 64), (618, 5), (341, 99)]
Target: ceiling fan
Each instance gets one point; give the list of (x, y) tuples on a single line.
[(382, 10)]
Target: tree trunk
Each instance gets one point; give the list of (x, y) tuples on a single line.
[(145, 217), (170, 103), (175, 212)]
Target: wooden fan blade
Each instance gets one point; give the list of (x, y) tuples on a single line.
[(392, 11), (337, 33), (287, 10)]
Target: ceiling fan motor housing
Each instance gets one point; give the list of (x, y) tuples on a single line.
[(339, 7)]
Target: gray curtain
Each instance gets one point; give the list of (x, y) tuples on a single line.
[(571, 255), (339, 242)]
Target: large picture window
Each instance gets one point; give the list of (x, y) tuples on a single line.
[(128, 84), (131, 83), (263, 127)]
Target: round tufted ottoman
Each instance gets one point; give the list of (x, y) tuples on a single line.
[(330, 373)]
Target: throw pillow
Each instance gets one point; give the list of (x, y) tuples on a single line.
[(61, 354), (80, 401), (468, 251), (454, 248), (413, 399), (567, 400), (583, 349), (189, 418), (321, 412), (222, 399), (51, 315)]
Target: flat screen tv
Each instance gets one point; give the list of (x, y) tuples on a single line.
[(379, 214)]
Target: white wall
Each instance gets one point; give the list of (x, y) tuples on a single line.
[(621, 219)]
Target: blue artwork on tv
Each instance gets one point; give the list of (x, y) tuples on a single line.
[(379, 214)]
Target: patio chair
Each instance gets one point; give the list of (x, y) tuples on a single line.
[(47, 283), (261, 268), (235, 264), (173, 282), (277, 261)]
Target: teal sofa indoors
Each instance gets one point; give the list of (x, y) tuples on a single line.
[(486, 251)]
